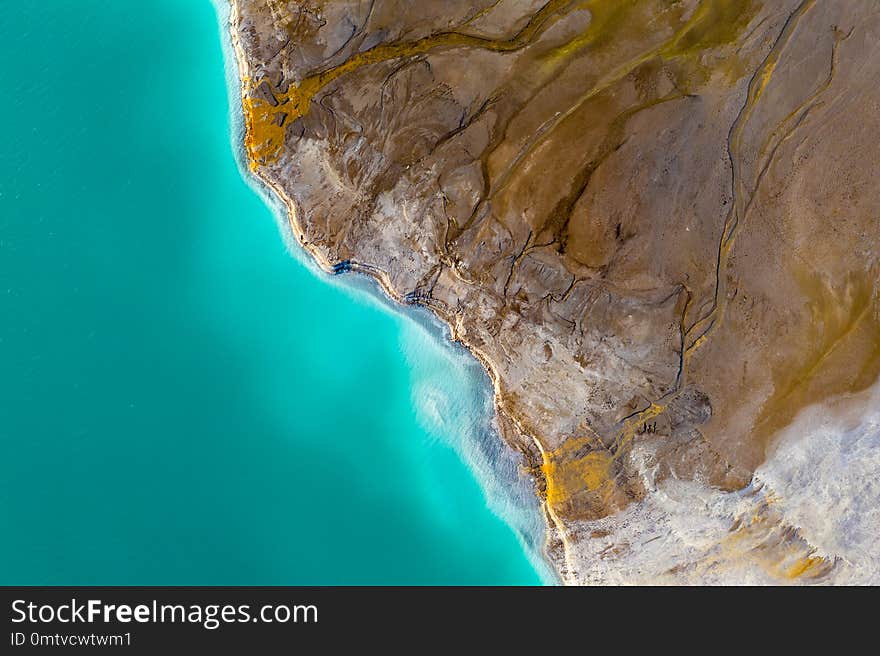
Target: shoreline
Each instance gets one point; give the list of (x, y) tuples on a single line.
[(562, 554), (227, 11)]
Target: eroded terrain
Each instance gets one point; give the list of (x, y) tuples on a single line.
[(655, 221)]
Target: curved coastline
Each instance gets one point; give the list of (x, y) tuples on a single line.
[(494, 463)]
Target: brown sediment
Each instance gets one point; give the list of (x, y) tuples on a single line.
[(600, 215), (256, 157)]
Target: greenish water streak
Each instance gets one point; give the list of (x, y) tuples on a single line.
[(181, 401)]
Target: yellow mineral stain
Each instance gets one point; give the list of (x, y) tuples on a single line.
[(807, 567), (607, 19), (576, 467), (714, 23), (264, 140), (631, 425), (264, 131), (844, 329), (704, 326), (566, 478), (698, 343), (762, 540)]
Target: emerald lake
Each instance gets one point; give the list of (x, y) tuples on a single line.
[(184, 399)]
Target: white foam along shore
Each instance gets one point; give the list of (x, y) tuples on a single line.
[(831, 456), (509, 493)]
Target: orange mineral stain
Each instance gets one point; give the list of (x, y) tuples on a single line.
[(567, 476), (264, 131)]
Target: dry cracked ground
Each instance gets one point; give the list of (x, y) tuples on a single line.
[(656, 221)]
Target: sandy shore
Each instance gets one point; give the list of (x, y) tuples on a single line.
[(554, 526)]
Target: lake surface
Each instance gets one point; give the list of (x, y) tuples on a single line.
[(183, 401)]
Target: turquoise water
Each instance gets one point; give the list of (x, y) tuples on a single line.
[(183, 402)]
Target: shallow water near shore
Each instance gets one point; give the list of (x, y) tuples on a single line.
[(182, 401)]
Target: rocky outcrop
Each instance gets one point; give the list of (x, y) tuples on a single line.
[(655, 221)]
